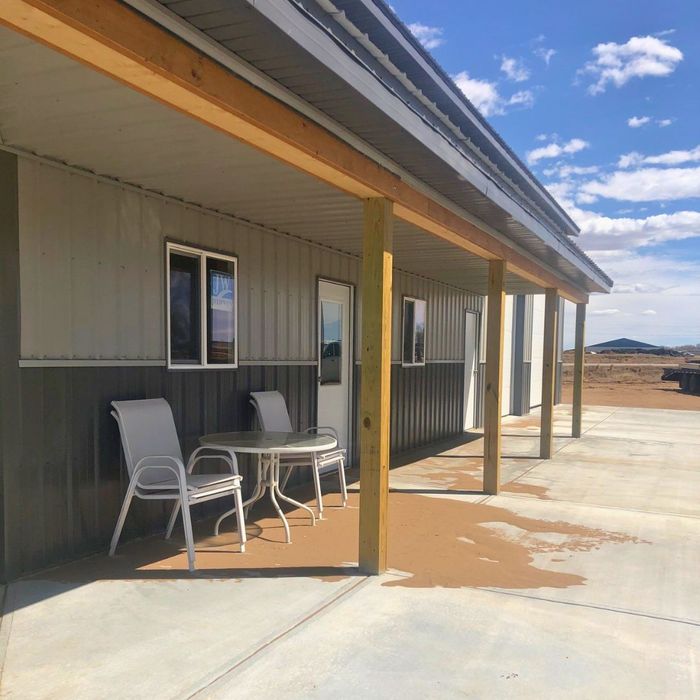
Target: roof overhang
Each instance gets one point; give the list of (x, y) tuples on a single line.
[(136, 52)]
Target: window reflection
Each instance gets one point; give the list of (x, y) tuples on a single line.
[(331, 342), (184, 309), (221, 320), (414, 311)]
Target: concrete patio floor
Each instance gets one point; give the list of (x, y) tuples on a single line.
[(579, 580)]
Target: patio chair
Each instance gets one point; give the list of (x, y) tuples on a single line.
[(157, 471), (273, 415)]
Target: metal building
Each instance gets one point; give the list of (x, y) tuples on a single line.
[(282, 150)]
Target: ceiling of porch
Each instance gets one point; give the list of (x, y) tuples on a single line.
[(55, 107)]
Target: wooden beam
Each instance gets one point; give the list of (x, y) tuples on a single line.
[(549, 364), (375, 384), (579, 355), (494, 376), (119, 42)]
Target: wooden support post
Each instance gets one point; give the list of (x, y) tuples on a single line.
[(494, 376), (579, 353), (549, 364), (375, 381)]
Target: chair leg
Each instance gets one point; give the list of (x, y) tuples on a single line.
[(187, 524), (173, 518), (317, 487), (343, 485), (240, 519), (122, 517)]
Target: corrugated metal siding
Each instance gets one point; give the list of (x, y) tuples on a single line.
[(426, 404), (560, 349), (536, 367), (92, 265), (68, 486)]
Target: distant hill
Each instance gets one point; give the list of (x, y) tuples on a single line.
[(622, 344)]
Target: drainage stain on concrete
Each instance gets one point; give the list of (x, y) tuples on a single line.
[(449, 543)]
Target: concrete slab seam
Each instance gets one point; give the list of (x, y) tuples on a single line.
[(619, 509), (219, 676), (604, 608)]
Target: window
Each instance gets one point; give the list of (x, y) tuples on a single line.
[(331, 342), (202, 308), (413, 332)]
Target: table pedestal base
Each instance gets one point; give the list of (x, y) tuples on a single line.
[(268, 479)]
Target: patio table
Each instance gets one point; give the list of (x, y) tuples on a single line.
[(269, 446)]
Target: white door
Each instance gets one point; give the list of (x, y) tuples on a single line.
[(471, 367), (334, 358)]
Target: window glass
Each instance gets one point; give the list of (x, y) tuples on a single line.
[(414, 311), (419, 334), (221, 310), (408, 318), (331, 342), (185, 345)]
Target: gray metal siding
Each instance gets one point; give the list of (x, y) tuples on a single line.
[(10, 434), (67, 486)]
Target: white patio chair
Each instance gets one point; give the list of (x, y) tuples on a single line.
[(157, 471), (273, 415)]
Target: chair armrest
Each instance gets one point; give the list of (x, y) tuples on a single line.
[(222, 453), (326, 428), (160, 462)]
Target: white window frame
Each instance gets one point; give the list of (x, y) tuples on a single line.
[(202, 254), (404, 299)]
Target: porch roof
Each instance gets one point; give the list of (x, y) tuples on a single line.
[(68, 113), (56, 108), (355, 62)]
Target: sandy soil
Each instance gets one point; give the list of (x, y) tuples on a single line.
[(628, 380), (432, 542), (642, 395)]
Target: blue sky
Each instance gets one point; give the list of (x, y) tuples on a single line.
[(602, 101)]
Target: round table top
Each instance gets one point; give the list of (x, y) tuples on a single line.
[(258, 442)]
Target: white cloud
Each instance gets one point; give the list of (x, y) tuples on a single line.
[(566, 171), (515, 69), (671, 287), (605, 312), (604, 234), (648, 312), (429, 37), (481, 93), (541, 51), (636, 122), (646, 185), (669, 158), (555, 150), (522, 98), (639, 57), (664, 122), (484, 95)]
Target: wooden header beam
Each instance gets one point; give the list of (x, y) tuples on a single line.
[(119, 42)]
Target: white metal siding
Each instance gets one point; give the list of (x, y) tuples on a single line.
[(537, 350), (92, 276), (507, 355)]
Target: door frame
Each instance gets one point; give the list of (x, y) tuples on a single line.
[(475, 372), (351, 358)]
